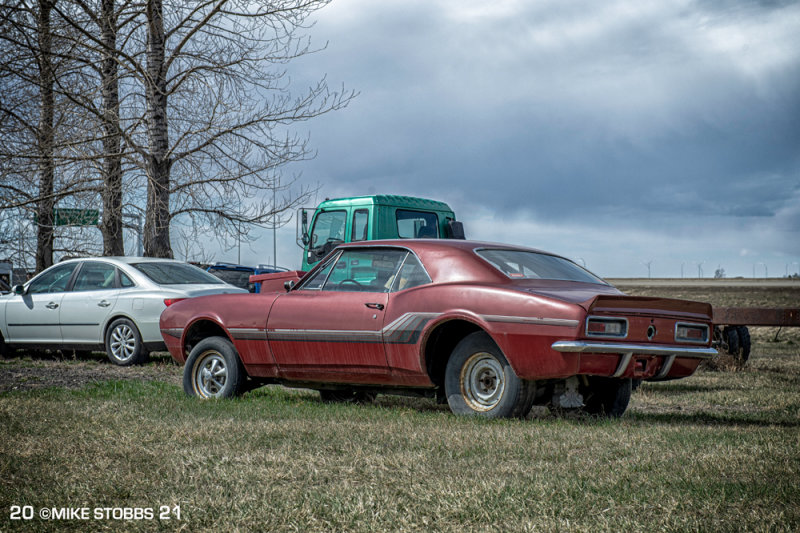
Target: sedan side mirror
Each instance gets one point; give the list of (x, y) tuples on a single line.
[(18, 289)]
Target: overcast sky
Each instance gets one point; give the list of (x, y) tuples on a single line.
[(614, 133)]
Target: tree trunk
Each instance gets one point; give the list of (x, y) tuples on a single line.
[(112, 157), (157, 165), (44, 207)]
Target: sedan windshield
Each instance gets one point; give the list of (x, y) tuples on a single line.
[(167, 273), (520, 264)]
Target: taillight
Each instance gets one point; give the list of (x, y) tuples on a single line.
[(170, 301), (606, 327), (685, 332)]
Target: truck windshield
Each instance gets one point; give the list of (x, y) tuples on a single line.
[(328, 231), (520, 264)]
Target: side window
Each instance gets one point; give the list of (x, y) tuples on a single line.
[(417, 225), (411, 274), (95, 277), (371, 270), (125, 281), (315, 283), (360, 225), (54, 280)]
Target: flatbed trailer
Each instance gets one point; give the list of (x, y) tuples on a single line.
[(731, 333)]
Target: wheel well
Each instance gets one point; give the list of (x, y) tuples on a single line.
[(200, 330), (111, 321), (441, 343)]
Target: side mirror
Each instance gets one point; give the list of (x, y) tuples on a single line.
[(18, 289), (455, 229), (288, 285)]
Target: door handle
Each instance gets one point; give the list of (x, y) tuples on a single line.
[(51, 305), (103, 303), (379, 307)]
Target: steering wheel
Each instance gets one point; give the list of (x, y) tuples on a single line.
[(350, 281)]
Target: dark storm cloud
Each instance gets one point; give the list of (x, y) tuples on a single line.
[(663, 113)]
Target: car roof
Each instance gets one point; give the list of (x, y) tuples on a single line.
[(470, 267)]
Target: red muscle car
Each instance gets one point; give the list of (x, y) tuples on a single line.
[(491, 329)]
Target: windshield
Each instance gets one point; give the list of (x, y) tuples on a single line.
[(168, 273), (520, 264)]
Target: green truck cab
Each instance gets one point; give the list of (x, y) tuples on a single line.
[(367, 218)]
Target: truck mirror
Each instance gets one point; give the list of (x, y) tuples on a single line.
[(455, 229)]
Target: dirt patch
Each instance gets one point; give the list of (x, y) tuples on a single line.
[(25, 371)]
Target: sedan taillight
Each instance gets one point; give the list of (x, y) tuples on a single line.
[(170, 301)]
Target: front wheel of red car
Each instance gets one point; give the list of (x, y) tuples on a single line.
[(213, 370), (480, 381)]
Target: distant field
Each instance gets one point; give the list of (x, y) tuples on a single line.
[(719, 451)]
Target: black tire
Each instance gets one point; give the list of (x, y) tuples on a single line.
[(744, 345), (214, 370), (607, 397), (346, 396), (479, 381), (731, 335), (124, 345), (635, 384)]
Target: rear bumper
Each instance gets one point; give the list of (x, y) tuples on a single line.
[(627, 352)]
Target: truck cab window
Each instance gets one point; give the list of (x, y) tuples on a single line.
[(360, 225), (417, 225), (328, 232)]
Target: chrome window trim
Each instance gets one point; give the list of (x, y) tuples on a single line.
[(606, 319)]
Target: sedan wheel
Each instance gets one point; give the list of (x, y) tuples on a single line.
[(124, 343), (213, 370), (479, 381)]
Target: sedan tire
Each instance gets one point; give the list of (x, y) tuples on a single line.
[(480, 381), (124, 345), (213, 370)]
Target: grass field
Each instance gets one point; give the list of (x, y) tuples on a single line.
[(719, 451)]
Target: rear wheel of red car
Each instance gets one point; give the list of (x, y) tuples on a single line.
[(607, 397), (213, 370), (479, 381)]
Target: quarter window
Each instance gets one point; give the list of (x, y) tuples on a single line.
[(411, 274)]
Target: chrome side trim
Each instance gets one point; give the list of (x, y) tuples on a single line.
[(324, 335), (564, 322), (173, 332), (248, 333), (622, 348)]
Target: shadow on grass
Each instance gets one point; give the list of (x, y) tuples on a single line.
[(760, 419)]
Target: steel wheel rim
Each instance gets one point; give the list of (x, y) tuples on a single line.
[(123, 342), (482, 381), (210, 375)]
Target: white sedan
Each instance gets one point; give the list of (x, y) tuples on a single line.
[(110, 303)]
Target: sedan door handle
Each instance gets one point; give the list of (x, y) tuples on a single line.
[(51, 305), (379, 307), (103, 303)]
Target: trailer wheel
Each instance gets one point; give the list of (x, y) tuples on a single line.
[(730, 336), (744, 345)]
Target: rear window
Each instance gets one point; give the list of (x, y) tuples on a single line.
[(176, 274), (239, 278), (416, 225), (519, 264)]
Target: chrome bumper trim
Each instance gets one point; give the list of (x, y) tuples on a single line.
[(638, 349)]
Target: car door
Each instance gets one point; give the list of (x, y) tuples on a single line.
[(330, 328), (33, 317), (85, 308)]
